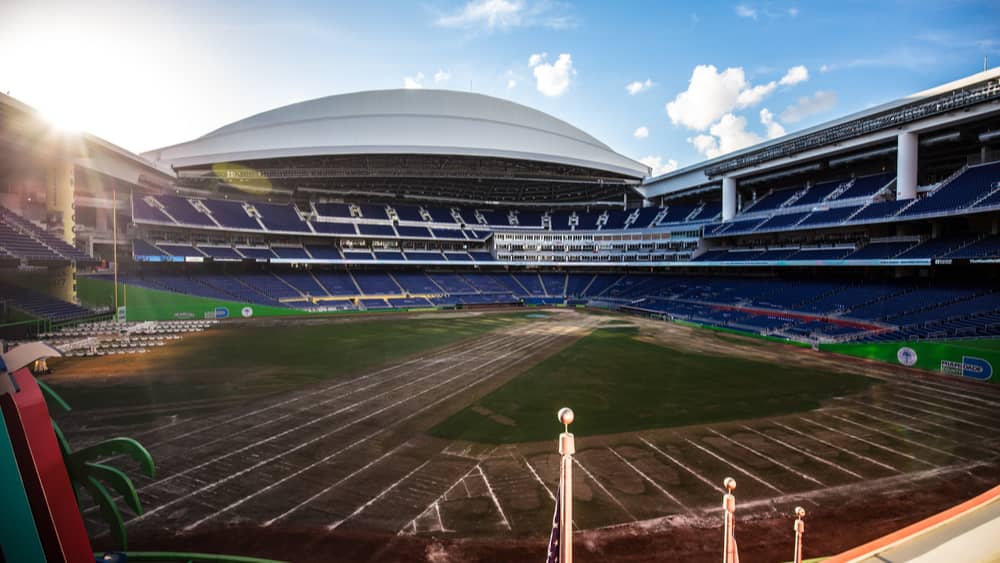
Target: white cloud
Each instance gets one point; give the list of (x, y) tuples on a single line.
[(753, 96), (728, 135), (793, 11), (709, 95), (492, 15), (774, 129), (512, 79), (732, 134), (638, 86), (658, 166), (745, 11), (552, 79), (414, 82), (825, 68), (441, 76), (641, 133), (821, 101), (795, 75), (705, 144), (712, 94), (536, 58)]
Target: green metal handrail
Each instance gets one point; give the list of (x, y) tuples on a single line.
[(180, 557)]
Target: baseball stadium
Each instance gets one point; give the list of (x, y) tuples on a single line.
[(341, 329)]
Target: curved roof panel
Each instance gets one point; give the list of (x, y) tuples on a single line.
[(437, 122)]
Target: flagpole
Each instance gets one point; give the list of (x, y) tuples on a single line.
[(729, 510), (800, 528), (567, 447), (114, 237)]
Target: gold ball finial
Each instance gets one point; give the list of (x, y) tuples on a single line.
[(730, 484), (800, 512), (565, 416)]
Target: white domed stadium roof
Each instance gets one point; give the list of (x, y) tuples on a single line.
[(432, 122)]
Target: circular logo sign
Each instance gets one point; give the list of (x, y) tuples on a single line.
[(907, 356), (247, 312)]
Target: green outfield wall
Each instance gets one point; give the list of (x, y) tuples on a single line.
[(974, 359), (143, 304)]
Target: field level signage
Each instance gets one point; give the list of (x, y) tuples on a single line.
[(976, 368), (907, 356)]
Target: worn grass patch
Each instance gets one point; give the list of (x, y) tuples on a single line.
[(253, 361), (616, 383)]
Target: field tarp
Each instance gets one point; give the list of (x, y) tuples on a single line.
[(975, 359), (144, 304)]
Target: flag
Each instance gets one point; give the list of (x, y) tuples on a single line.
[(553, 552), (734, 555)]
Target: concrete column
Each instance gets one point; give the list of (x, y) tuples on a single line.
[(906, 166), (102, 220), (61, 190), (62, 282), (728, 198), (61, 193)]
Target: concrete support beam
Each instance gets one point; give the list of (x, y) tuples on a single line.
[(728, 198), (62, 283), (906, 166), (61, 192)]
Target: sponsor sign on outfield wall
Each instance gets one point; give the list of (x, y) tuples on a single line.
[(976, 368), (973, 359)]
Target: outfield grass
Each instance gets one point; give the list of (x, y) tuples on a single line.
[(259, 360), (617, 383)]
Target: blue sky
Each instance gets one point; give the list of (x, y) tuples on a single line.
[(707, 77)]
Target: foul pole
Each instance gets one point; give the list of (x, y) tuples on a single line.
[(114, 241)]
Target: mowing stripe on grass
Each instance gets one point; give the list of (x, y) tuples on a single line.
[(962, 420), (736, 467), (907, 440), (493, 496), (442, 496), (899, 425), (375, 499), (186, 452), (869, 442), (338, 452), (605, 489), (950, 390), (311, 406), (912, 428), (334, 485), (804, 452), (768, 458), (650, 480), (973, 410), (681, 465), (316, 420), (326, 389), (231, 476), (539, 479)]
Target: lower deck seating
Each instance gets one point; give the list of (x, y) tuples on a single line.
[(42, 306), (794, 308)]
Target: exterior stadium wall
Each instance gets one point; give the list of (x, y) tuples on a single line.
[(144, 304), (974, 359)]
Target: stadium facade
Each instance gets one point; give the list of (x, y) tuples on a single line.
[(879, 225)]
